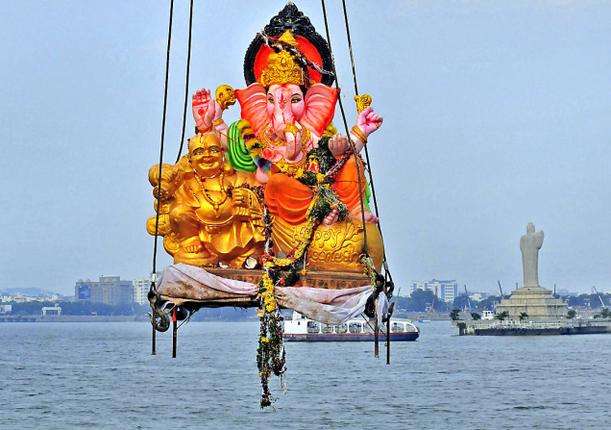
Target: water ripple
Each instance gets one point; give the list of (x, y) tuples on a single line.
[(102, 376)]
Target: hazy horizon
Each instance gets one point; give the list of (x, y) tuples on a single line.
[(496, 114)]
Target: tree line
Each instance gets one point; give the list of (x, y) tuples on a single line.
[(85, 308), (423, 301)]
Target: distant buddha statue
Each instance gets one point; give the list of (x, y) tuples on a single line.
[(530, 244)]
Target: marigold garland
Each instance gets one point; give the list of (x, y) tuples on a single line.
[(285, 271)]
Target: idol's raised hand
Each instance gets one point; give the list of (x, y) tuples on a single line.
[(368, 121), (205, 109)]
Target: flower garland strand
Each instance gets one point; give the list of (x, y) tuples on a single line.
[(271, 356)]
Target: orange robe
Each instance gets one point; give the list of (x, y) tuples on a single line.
[(289, 199)]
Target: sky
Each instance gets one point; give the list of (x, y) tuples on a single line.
[(496, 114)]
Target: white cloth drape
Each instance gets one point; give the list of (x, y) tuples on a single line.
[(181, 282)]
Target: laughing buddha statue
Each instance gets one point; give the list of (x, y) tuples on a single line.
[(210, 214)]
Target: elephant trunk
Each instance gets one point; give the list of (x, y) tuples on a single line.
[(293, 146), (283, 124)]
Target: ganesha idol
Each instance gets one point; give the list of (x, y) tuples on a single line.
[(284, 145)]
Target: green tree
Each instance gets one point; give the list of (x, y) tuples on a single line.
[(502, 316), (605, 313), (440, 305), (419, 299), (455, 314), (571, 314), (476, 316), (463, 302), (523, 316), (489, 302)]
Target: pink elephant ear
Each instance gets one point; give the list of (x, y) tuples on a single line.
[(320, 103), (253, 101)]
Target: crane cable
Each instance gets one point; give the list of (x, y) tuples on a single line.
[(369, 269), (186, 102), (153, 295), (388, 284), (356, 156), (163, 121), (161, 147), (153, 289), (388, 275), (356, 90)]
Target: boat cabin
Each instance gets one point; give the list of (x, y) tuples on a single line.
[(300, 325)]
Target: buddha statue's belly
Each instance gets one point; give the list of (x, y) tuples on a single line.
[(214, 215)]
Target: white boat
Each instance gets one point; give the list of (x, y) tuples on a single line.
[(303, 329), (488, 315)]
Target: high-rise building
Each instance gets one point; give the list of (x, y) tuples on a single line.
[(109, 290), (448, 290), (141, 289), (443, 290)]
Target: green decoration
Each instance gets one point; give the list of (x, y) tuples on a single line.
[(237, 153)]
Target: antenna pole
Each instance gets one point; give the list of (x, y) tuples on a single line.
[(388, 341), (376, 331), (174, 332)]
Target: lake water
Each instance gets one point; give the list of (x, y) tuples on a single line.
[(102, 376)]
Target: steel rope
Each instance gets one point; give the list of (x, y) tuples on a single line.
[(356, 89), (163, 121), (353, 147), (186, 103)]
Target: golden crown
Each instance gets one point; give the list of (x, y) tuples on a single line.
[(281, 66)]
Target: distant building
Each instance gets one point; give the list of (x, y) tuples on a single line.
[(49, 298), (6, 309), (448, 291), (478, 297), (443, 290), (487, 315), (82, 290), (141, 289), (563, 292), (51, 310), (20, 298), (108, 290)]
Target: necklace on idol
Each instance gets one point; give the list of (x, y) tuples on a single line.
[(214, 203)]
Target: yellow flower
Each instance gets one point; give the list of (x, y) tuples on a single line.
[(282, 261), (265, 340)]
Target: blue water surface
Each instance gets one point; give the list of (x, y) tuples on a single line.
[(102, 376)]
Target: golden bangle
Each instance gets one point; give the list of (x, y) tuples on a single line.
[(218, 122), (358, 133)]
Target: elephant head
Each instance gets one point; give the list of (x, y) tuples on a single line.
[(282, 108)]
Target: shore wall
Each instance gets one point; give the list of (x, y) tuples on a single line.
[(532, 328), (69, 318)]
